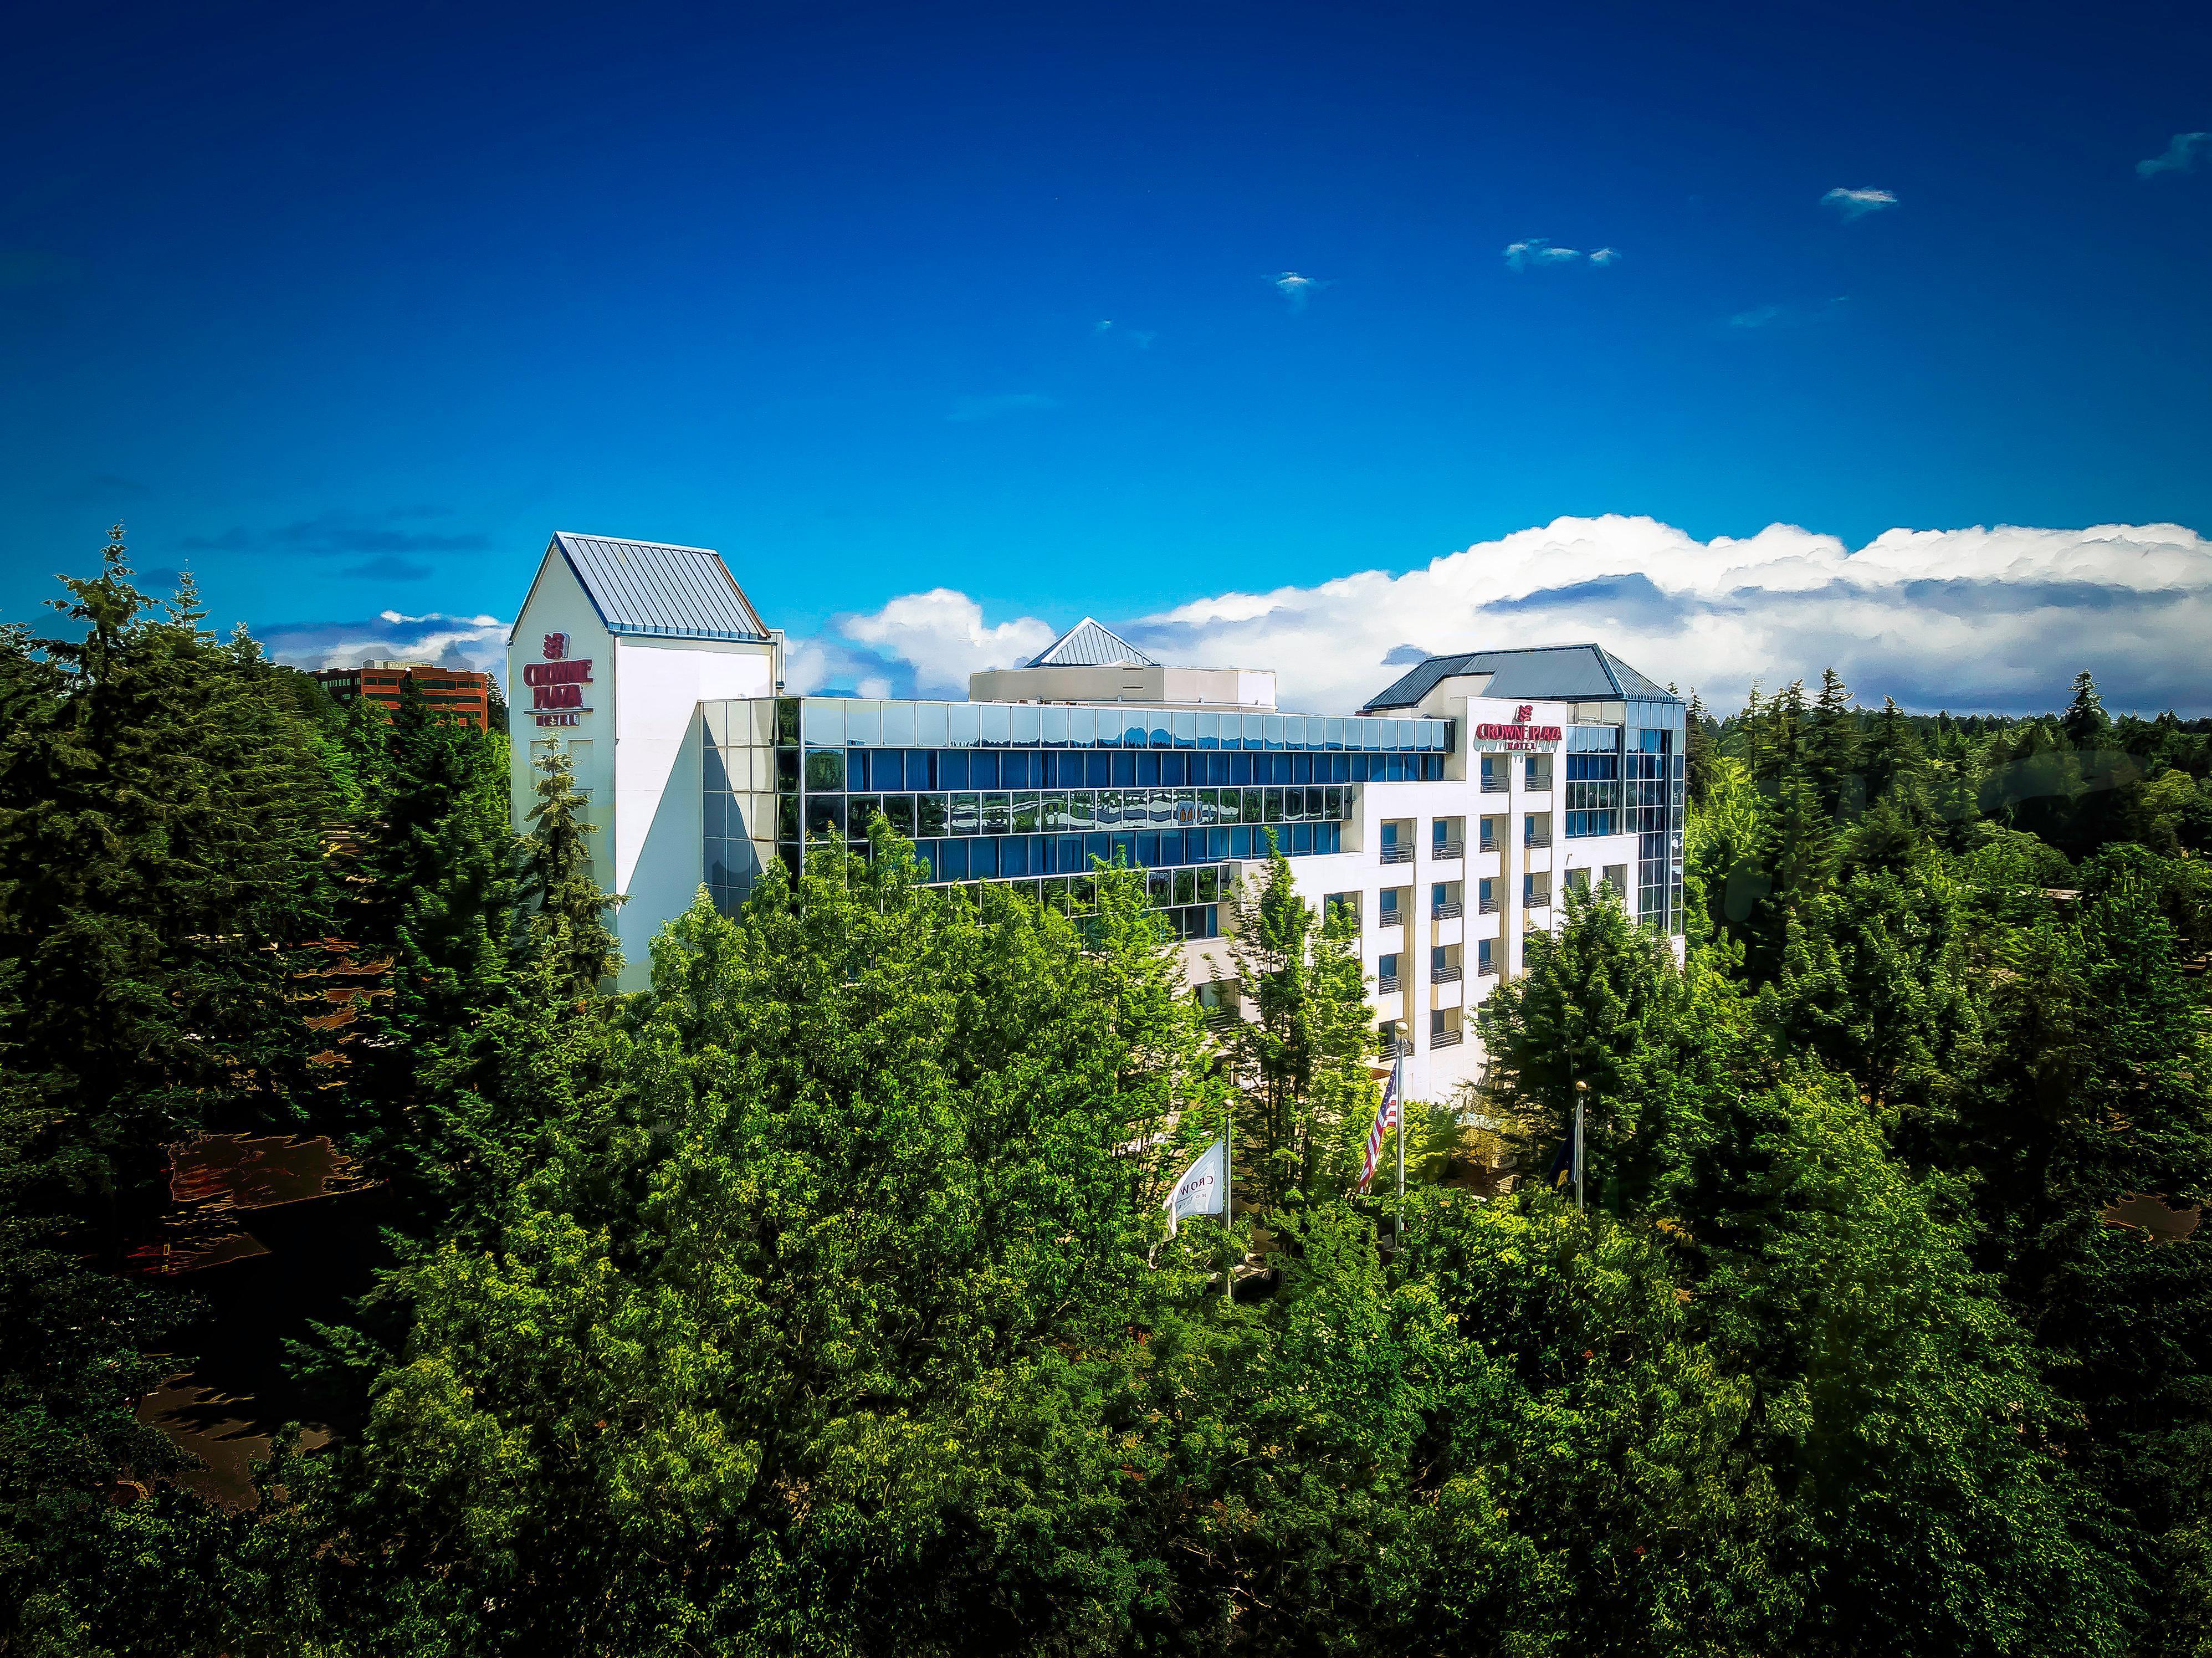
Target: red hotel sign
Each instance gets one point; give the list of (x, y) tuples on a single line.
[(556, 684), (1520, 734)]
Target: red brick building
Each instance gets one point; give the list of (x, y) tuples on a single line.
[(458, 691)]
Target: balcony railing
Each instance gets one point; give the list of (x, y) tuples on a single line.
[(1494, 785), (1446, 1038), (1488, 843), (1386, 984), (1537, 838), (1398, 1050), (1486, 969), (1444, 912), (1445, 976), (1538, 786), (1486, 907), (1224, 1019), (1397, 854), (1536, 901), (1391, 916), (1448, 849)]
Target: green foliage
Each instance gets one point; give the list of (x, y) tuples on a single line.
[(1308, 1096), (564, 912)]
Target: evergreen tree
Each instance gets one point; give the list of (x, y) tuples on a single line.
[(2085, 721), (1832, 749), (563, 912), (1700, 751), (438, 900), (1302, 1061)]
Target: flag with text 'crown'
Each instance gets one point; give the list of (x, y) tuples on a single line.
[(1386, 1119), (1199, 1192)]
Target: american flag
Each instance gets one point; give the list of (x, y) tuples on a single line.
[(1386, 1119)]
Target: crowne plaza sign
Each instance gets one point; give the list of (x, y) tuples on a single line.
[(556, 684), (1521, 734)]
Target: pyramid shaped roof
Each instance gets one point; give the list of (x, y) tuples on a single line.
[(1089, 645)]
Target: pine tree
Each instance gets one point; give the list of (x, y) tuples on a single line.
[(2085, 721), (1301, 1060), (1700, 750), (563, 911), (1832, 749)]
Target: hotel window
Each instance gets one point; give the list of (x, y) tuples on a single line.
[(1443, 965), (1386, 972), (1398, 840), (1485, 962), (1537, 830), (1392, 912), (1538, 775), (1616, 877), (1444, 901), (1535, 891), (1447, 837), (1493, 829), (1497, 773), (1578, 880), (1343, 904), (1444, 1030), (1486, 896)]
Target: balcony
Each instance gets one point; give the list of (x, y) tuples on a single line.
[(1486, 969), (1445, 976), (1494, 785), (1486, 907), (1488, 843), (1222, 1020), (1447, 1038), (1536, 901), (1444, 911), (1397, 1050), (1397, 854), (1391, 916), (1538, 786), (1448, 849), (1386, 984), (1537, 838)]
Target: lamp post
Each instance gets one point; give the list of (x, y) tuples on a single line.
[(1582, 1093)]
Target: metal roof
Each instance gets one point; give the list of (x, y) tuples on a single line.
[(653, 588), (1087, 645), (1579, 673)]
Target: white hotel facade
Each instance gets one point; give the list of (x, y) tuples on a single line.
[(1451, 812)]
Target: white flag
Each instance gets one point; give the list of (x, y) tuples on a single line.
[(1198, 1191)]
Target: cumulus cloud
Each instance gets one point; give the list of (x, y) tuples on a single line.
[(1858, 203), (926, 644), (1984, 618), (453, 641), (2180, 155), (1297, 288)]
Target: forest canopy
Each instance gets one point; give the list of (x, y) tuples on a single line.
[(818, 1297)]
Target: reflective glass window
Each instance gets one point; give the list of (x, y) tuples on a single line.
[(965, 810), (1028, 813), (996, 812)]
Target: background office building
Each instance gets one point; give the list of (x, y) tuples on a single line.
[(1447, 816), (458, 691)]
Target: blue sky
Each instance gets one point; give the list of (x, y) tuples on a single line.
[(347, 308)]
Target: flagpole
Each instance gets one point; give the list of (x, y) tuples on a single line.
[(1398, 1088), (1229, 1195), (1581, 1092)]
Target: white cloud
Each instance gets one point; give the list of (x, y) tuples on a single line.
[(1604, 256), (1538, 252), (2180, 155), (1858, 203), (939, 637), (1296, 288), (453, 641), (1979, 618)]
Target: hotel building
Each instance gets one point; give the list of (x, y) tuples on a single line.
[(1448, 814)]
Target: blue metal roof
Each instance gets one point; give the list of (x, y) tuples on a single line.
[(654, 589), (1563, 673), (1088, 644)]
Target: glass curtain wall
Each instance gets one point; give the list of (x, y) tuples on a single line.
[(1593, 799), (1032, 793), (1654, 780)]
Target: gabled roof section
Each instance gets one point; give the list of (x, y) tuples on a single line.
[(1579, 673), (1088, 644), (657, 589)]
